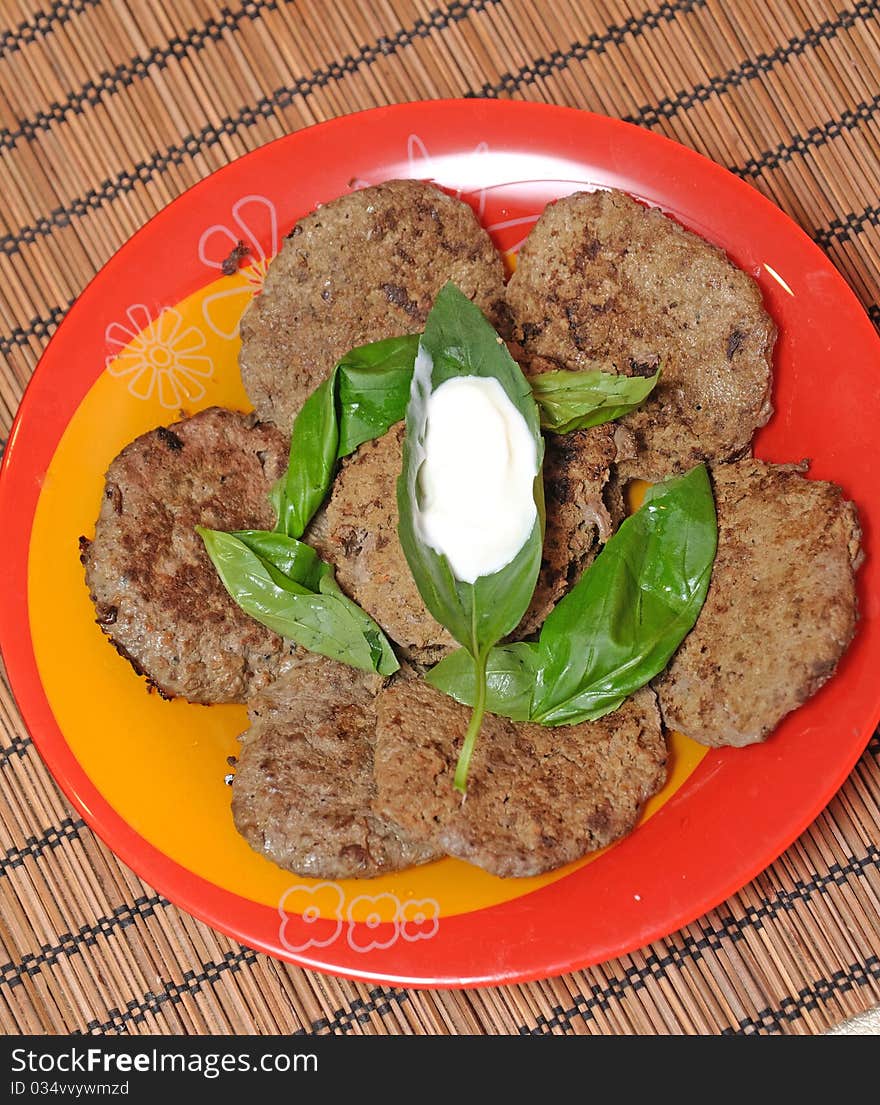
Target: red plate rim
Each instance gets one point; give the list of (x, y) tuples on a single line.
[(712, 865)]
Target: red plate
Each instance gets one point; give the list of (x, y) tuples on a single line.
[(156, 332)]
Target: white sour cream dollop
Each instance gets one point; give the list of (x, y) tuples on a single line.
[(476, 498)]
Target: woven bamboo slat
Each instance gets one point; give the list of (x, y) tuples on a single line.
[(111, 108)]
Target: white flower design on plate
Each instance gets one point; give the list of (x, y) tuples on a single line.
[(419, 919), (506, 224), (373, 932), (421, 167), (253, 221), (311, 916), (159, 356), (314, 916)]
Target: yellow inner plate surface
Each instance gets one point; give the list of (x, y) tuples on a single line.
[(161, 765)]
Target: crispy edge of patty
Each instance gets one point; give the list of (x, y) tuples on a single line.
[(603, 282), (157, 596), (537, 797), (781, 609), (360, 268), (303, 787)]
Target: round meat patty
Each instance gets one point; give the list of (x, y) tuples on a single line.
[(363, 267), (357, 532), (303, 786), (157, 595), (577, 469), (781, 607), (537, 797), (603, 282)]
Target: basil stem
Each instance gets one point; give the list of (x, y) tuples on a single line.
[(473, 730), (510, 679), (458, 341), (618, 626)]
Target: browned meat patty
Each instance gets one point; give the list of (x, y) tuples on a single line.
[(577, 468), (357, 531), (537, 797), (303, 785), (603, 282), (781, 607), (157, 595), (362, 267)]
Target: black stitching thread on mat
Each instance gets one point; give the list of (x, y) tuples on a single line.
[(210, 135), (213, 29), (808, 998), (40, 23), (35, 846), (767, 1020), (37, 327), (595, 43), (124, 75), (248, 116), (19, 745), (12, 974), (635, 978), (691, 948), (844, 228), (379, 1000), (92, 93), (670, 106), (72, 943), (136, 1010), (750, 68), (802, 144)]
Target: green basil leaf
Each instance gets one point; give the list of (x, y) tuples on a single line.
[(621, 623), (313, 447), (323, 621), (458, 341), (617, 628), (294, 559), (384, 659), (510, 679), (577, 400), (373, 389), (368, 392), (363, 397)]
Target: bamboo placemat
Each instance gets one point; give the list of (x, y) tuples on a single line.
[(108, 110)]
